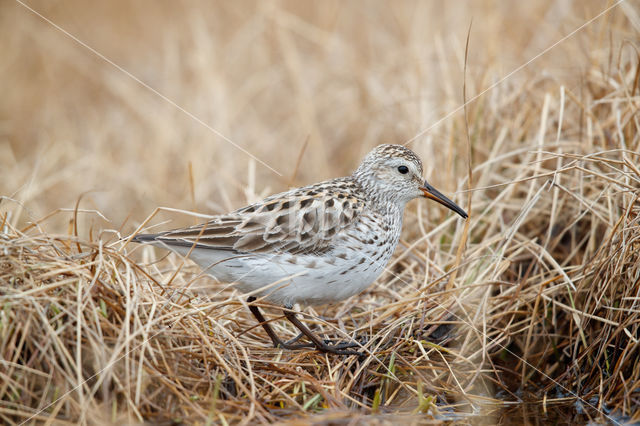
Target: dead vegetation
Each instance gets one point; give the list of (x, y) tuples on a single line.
[(542, 305)]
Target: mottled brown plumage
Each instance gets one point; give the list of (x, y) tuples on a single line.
[(297, 222)]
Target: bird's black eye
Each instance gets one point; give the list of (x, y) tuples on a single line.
[(403, 169)]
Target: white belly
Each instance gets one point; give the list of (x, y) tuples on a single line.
[(287, 279)]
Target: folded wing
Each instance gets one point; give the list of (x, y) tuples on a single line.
[(298, 222)]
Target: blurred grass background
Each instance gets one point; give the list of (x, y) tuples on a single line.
[(270, 76)]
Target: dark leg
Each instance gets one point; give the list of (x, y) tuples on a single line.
[(295, 339), (274, 338), (319, 344)]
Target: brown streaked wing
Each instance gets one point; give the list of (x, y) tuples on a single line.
[(287, 223)]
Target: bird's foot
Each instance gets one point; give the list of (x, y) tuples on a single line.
[(342, 348), (339, 349), (327, 346), (358, 342), (291, 344), (355, 343)]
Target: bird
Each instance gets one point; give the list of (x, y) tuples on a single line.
[(313, 245)]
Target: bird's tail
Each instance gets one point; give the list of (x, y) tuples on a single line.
[(145, 238)]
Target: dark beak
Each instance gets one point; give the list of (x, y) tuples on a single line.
[(432, 193)]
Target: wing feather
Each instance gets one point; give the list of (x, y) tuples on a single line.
[(301, 221)]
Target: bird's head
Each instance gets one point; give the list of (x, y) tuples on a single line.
[(394, 173)]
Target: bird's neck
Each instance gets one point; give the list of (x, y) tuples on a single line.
[(386, 205)]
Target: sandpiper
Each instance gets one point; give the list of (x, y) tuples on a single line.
[(317, 244)]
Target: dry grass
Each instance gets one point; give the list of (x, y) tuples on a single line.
[(542, 303)]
